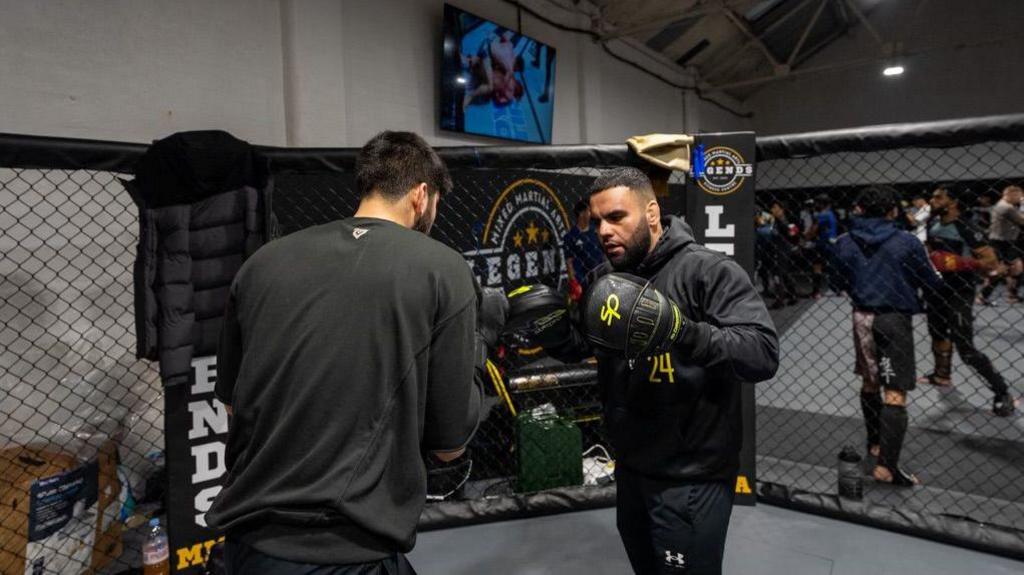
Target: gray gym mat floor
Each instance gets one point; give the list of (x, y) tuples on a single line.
[(764, 540), (971, 463)]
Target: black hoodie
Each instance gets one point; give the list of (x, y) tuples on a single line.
[(678, 417)]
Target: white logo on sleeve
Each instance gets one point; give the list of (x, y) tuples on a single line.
[(358, 232), (676, 560)]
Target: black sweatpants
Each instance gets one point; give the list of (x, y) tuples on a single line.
[(951, 317), (673, 527), (240, 558)]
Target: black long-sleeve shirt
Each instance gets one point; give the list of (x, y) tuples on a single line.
[(347, 351)]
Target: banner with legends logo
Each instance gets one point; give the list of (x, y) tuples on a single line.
[(720, 208)]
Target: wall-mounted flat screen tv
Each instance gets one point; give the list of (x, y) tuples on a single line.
[(494, 81)]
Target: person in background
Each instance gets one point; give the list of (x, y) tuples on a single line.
[(883, 268), (823, 232), (981, 215), (959, 251), (917, 217), (783, 247), (764, 261), (1004, 235), (582, 250)]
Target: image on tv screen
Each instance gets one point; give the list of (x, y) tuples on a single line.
[(495, 81)]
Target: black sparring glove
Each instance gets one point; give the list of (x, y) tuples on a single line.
[(538, 315), (491, 314), (624, 314)]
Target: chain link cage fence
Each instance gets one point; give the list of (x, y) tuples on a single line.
[(76, 403), (969, 460), (541, 444), (81, 419), (82, 433)]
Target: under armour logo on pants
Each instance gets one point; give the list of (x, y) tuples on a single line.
[(674, 559)]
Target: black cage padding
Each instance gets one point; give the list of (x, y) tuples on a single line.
[(941, 134), (463, 157), (44, 152), (519, 506)]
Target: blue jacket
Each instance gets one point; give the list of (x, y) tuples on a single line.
[(882, 267)]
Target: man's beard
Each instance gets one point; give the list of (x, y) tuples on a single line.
[(423, 223), (635, 251)]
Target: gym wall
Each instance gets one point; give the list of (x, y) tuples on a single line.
[(285, 72)]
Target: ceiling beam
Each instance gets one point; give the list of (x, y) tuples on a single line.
[(697, 9), (867, 26), (734, 54), (738, 21), (726, 66), (806, 33)]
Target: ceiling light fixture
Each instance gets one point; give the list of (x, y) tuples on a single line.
[(893, 71)]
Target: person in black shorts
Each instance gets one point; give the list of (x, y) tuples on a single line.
[(347, 355), (882, 269), (959, 251), (1004, 235)]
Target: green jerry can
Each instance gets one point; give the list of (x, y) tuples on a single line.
[(549, 450)]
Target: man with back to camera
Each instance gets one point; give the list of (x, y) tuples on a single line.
[(1004, 234), (582, 250), (781, 256), (882, 269), (823, 232), (671, 392), (347, 352), (959, 252)]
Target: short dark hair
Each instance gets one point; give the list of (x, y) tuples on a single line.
[(632, 178), (877, 201), (822, 200), (951, 192), (580, 207), (392, 163)]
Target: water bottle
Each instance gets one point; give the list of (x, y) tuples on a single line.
[(851, 482), (156, 550)]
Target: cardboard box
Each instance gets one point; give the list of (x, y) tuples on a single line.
[(58, 514)]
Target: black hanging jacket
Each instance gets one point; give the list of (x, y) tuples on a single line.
[(203, 200)]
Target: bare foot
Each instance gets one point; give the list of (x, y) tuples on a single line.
[(882, 474), (936, 380)]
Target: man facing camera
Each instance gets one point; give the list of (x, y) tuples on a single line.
[(676, 329)]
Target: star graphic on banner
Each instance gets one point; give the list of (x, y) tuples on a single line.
[(518, 239), (545, 236), (531, 232)]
